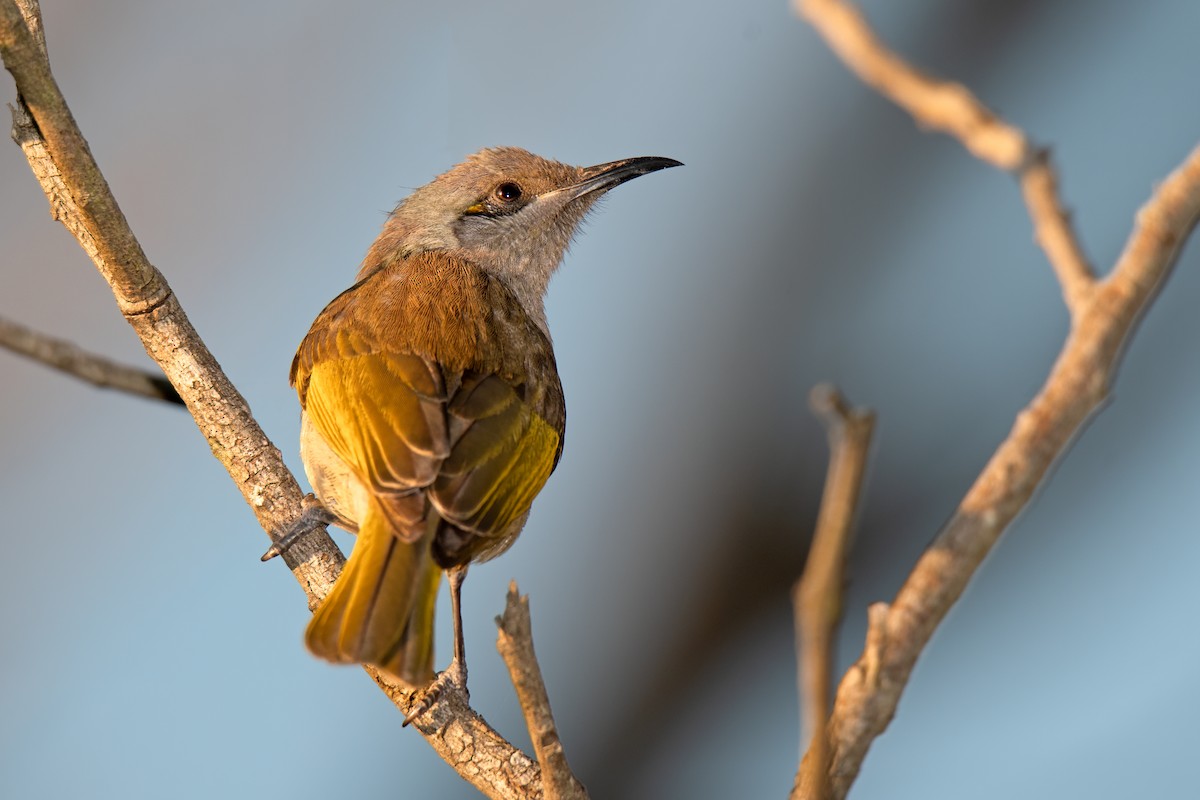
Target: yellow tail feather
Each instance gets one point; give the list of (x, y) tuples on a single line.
[(380, 611)]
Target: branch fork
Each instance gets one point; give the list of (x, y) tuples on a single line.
[(80, 198), (1103, 315)]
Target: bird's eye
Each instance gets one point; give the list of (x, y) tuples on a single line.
[(505, 199), (508, 192)]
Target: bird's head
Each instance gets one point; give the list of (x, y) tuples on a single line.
[(506, 210)]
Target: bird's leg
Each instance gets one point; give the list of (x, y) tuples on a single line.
[(456, 674), (312, 514), (457, 671)]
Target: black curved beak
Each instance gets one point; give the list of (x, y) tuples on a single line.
[(603, 177)]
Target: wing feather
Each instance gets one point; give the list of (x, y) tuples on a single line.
[(422, 414)]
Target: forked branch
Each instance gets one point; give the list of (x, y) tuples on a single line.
[(951, 108), (81, 199), (1104, 314)]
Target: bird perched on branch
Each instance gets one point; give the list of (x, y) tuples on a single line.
[(432, 408)]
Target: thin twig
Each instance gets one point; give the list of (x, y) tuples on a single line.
[(1053, 232), (94, 369), (81, 199), (817, 596), (935, 104), (1104, 316), (515, 643), (951, 108)]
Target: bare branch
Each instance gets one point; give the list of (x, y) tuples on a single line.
[(1104, 316), (94, 369), (515, 643), (31, 12), (951, 108), (466, 742), (939, 105), (817, 596), (1162, 227), (1053, 232), (81, 199)]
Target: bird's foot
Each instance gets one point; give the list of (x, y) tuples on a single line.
[(453, 677), (312, 514)]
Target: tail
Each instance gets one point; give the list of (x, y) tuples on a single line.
[(380, 611)]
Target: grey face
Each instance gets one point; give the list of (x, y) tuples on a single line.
[(506, 210)]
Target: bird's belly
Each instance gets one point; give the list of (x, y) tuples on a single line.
[(333, 482)]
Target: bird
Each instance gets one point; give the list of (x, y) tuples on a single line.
[(432, 412)]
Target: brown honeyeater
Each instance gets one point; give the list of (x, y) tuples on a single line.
[(432, 408)]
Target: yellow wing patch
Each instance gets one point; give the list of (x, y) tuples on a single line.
[(500, 461), (381, 414)]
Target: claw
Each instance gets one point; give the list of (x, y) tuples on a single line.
[(312, 515), (272, 551), (453, 677)]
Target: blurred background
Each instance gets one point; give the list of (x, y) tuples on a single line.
[(815, 234)]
